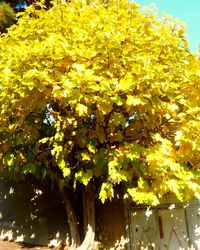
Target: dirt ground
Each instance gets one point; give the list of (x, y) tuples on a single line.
[(7, 245)]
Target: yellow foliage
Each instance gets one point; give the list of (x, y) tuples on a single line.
[(105, 93)]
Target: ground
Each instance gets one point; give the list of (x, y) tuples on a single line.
[(8, 245)]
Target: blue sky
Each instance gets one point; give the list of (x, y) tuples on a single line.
[(185, 10)]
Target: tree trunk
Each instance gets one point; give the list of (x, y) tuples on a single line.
[(73, 224), (88, 214), (89, 219)]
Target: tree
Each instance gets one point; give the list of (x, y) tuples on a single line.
[(7, 16), (100, 96)]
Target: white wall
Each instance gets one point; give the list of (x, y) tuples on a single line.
[(170, 226)]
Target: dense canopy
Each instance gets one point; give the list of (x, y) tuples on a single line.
[(106, 94)]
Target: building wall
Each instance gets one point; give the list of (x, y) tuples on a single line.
[(110, 221), (171, 225), (32, 212)]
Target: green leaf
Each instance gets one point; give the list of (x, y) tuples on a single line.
[(29, 168)]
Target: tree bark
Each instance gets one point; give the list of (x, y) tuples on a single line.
[(89, 219), (73, 224)]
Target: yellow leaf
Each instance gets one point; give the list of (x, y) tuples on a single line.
[(66, 172), (142, 184), (91, 148), (62, 164), (105, 107), (126, 83), (85, 157), (79, 67), (106, 192), (134, 101), (81, 109)]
